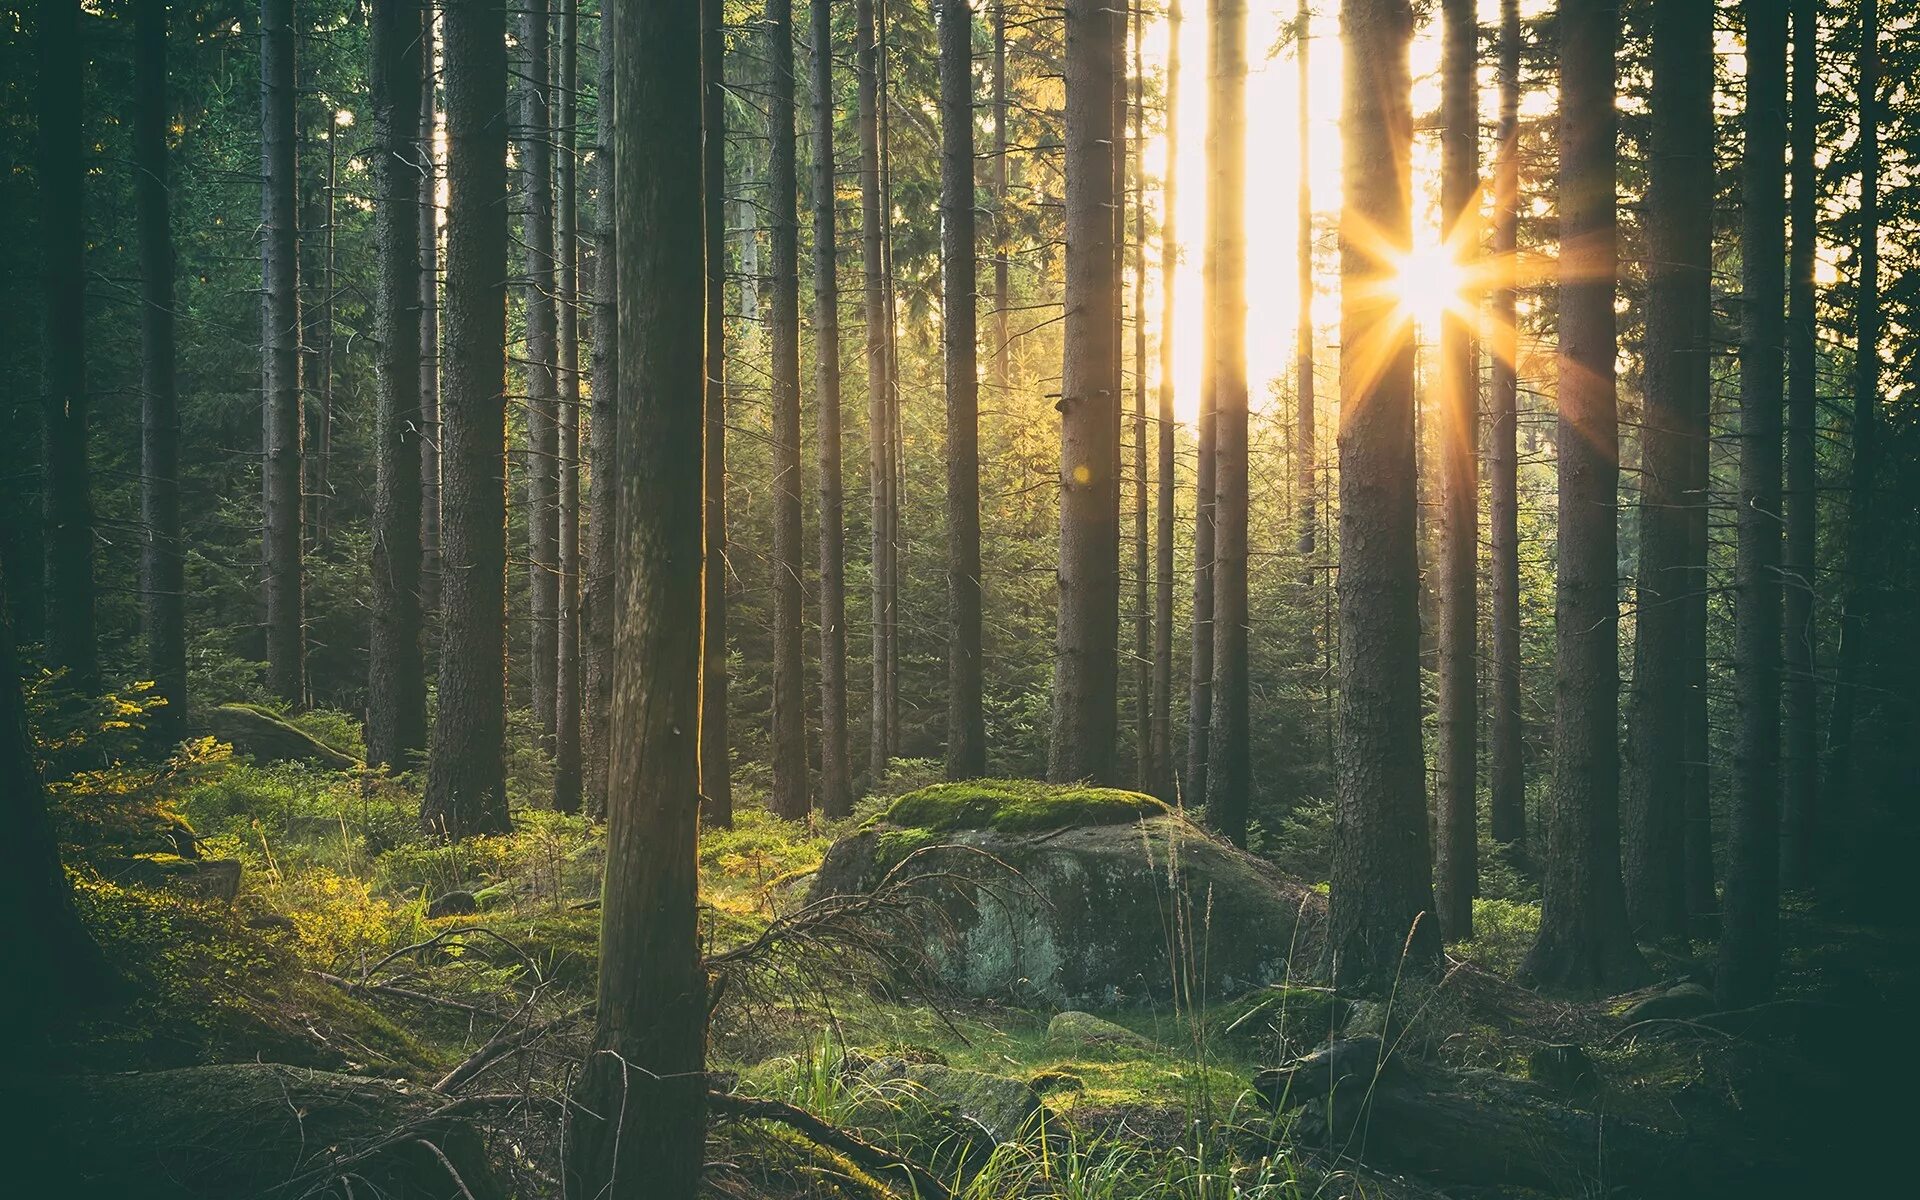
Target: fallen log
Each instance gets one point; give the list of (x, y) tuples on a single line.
[(261, 735)]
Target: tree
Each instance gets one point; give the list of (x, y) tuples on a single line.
[(879, 370), (1585, 943), (162, 574), (1506, 782), (1381, 888), (639, 1111), (597, 607), (396, 727), (1145, 768), (1086, 667), (535, 162), (1002, 332), (789, 797), (566, 683), (1800, 765), (280, 512), (716, 764), (836, 783), (1750, 906), (466, 776), (1303, 399), (1680, 237), (1162, 783), (966, 722), (1229, 761), (429, 330), (1457, 864)]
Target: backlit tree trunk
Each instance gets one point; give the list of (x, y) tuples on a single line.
[(836, 783), (879, 441), (1800, 767), (716, 764), (1304, 435), (280, 522), (1145, 769), (429, 237), (1506, 783), (534, 161), (1162, 784), (566, 683), (603, 429)]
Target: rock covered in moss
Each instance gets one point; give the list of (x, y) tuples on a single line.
[(1083, 915), (1074, 1029), (998, 1105), (261, 735), (207, 878)]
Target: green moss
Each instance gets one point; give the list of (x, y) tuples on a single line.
[(1017, 806)]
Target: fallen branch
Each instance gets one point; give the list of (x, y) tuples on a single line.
[(861, 1153), (503, 1044)]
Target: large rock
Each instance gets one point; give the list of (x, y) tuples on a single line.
[(1092, 915), (1076, 1030), (996, 1105), (207, 878), (262, 736)]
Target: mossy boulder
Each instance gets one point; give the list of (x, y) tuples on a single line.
[(1082, 897), (1076, 1030), (264, 736), (999, 1106)]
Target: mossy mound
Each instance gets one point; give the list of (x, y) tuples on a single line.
[(1018, 806)]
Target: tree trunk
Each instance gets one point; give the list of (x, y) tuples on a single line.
[(1506, 782), (1304, 413), (280, 521), (1162, 783), (320, 459), (1585, 943), (603, 481), (1750, 906), (396, 683), (162, 574), (1800, 747), (1381, 898), (716, 764), (648, 1064), (896, 447), (566, 683), (466, 777), (534, 159), (1228, 758), (1145, 770), (836, 783), (879, 442), (789, 797), (1002, 332), (966, 723), (1086, 668), (1457, 854), (429, 332), (1680, 236)]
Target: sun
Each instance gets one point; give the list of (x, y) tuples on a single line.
[(1429, 281)]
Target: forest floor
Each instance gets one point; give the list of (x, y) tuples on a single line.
[(355, 945)]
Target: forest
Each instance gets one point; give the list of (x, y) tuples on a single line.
[(964, 600)]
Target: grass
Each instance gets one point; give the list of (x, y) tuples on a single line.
[(1018, 806)]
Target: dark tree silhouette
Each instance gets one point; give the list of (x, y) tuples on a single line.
[(566, 225), (716, 763), (280, 446), (1163, 784), (1799, 748), (603, 431), (1506, 781), (534, 161), (836, 782)]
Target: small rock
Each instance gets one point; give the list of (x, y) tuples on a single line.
[(1566, 1067), (452, 904), (1080, 1029), (1680, 1003)]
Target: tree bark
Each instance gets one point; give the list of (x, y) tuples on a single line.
[(836, 783), (1163, 782), (1086, 667), (1304, 436), (1679, 316), (716, 764), (648, 1060), (966, 722), (535, 164), (429, 331), (1800, 746), (1145, 769), (1750, 906), (566, 683), (1228, 758), (789, 797), (1380, 914), (1002, 290), (1585, 943), (280, 522), (162, 573), (1506, 771), (1457, 854), (597, 610), (879, 441), (396, 683), (466, 777)]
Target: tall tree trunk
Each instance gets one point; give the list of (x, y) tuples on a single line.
[(1381, 892), (1086, 668), (650, 1035), (1679, 316), (1228, 758), (1457, 854), (162, 575), (535, 163), (1145, 768), (836, 783), (879, 441), (466, 775), (1860, 601), (1002, 331), (789, 797), (1162, 783), (896, 445), (603, 428), (429, 331), (280, 522), (716, 763), (320, 456), (1506, 782), (396, 681), (966, 721), (1304, 435), (1800, 746), (1750, 907), (566, 683), (1200, 658), (1585, 943)]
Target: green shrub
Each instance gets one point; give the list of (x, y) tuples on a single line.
[(1503, 931)]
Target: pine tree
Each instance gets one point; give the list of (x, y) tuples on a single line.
[(716, 763), (280, 445), (1162, 784), (836, 783), (534, 160), (1506, 782), (603, 431), (566, 683), (1800, 766)]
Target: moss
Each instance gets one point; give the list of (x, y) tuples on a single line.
[(776, 1162), (1017, 806)]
